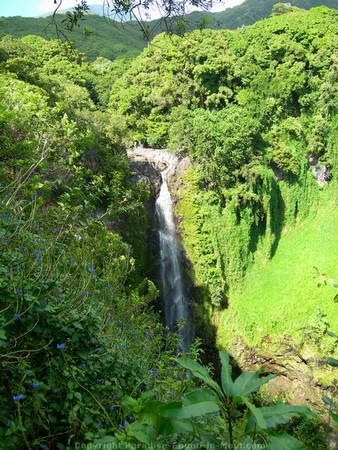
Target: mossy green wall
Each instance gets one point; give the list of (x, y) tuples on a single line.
[(274, 232)]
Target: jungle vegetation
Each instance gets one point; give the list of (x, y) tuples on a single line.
[(85, 359), (105, 37)]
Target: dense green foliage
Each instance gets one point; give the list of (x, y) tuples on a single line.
[(97, 36), (103, 37), (84, 357), (77, 329), (252, 91), (289, 277), (258, 427), (250, 107), (249, 12)]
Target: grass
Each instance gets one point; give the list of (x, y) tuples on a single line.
[(280, 297)]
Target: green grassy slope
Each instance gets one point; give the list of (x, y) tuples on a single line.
[(280, 297)]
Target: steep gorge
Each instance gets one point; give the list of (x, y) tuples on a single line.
[(304, 377), (83, 344), (146, 165)]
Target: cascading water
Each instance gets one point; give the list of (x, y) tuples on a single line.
[(175, 304)]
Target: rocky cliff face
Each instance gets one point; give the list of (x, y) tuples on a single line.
[(147, 163), (320, 171)]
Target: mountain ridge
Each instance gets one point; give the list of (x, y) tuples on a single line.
[(113, 40)]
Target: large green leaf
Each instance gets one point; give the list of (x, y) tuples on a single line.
[(282, 413), (149, 413), (283, 441), (142, 432), (330, 333), (332, 361), (200, 372), (166, 426), (200, 396), (227, 383), (197, 403), (335, 417), (256, 412), (328, 401), (249, 382)]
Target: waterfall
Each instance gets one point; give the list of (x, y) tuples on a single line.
[(174, 301)]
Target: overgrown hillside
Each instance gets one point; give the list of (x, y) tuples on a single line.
[(250, 11), (77, 327), (84, 356), (96, 37), (102, 37), (256, 111), (279, 301)]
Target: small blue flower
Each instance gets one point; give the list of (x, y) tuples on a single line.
[(18, 397), (85, 293), (60, 346), (36, 385), (112, 408), (37, 240), (99, 425), (98, 381), (91, 270), (37, 259), (9, 424), (19, 291), (72, 260), (128, 251), (37, 252), (16, 315), (124, 425)]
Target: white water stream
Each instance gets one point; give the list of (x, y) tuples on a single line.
[(175, 305)]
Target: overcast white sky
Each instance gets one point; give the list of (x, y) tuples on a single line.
[(33, 8)]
